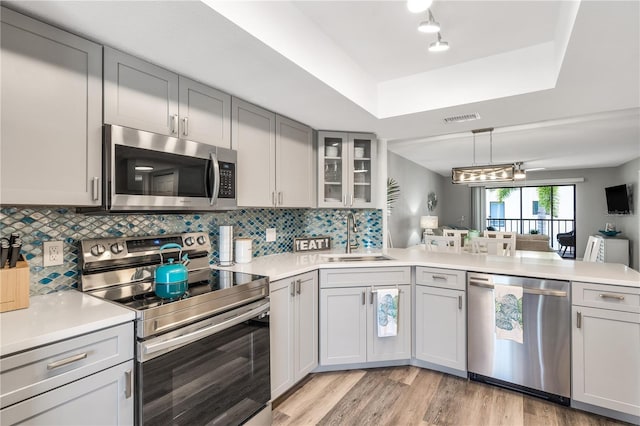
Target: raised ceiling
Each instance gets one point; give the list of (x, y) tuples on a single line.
[(561, 91)]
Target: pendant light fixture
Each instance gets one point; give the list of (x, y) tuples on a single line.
[(481, 174), (418, 6), (519, 173), (430, 25), (439, 45)]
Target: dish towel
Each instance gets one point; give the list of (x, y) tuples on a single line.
[(387, 310), (508, 308)]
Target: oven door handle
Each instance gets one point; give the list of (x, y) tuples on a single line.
[(151, 348)]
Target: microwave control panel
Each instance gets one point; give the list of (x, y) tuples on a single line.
[(227, 180)]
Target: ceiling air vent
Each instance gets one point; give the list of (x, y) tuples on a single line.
[(462, 118)]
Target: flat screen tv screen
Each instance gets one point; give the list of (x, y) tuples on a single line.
[(618, 200)]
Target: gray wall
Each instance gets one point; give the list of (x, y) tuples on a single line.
[(415, 184)]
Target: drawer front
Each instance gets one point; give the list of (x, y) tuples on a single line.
[(32, 372), (444, 278), (618, 298), (349, 277)]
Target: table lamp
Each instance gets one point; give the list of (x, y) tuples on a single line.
[(428, 223)]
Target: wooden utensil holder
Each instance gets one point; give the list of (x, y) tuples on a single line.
[(14, 287)]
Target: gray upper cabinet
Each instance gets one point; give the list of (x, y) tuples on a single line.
[(143, 96), (205, 114), (51, 115), (275, 158), (138, 94)]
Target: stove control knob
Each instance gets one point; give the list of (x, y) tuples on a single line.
[(189, 241), (201, 240), (117, 248), (97, 250)]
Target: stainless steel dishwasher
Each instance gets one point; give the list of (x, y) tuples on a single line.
[(519, 333)]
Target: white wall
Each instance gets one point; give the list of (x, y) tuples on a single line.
[(415, 184)]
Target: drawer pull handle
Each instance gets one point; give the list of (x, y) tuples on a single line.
[(128, 387), (611, 296), (62, 362), (439, 277)]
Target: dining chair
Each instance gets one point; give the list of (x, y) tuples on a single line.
[(494, 246), (592, 250), (500, 234), (442, 244), (458, 233)]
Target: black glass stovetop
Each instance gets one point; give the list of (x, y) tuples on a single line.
[(200, 283)]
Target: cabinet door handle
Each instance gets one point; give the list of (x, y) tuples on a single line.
[(351, 200), (611, 296), (292, 288), (95, 190), (185, 126), (344, 200), (460, 302), (364, 297), (128, 386), (280, 197), (371, 298), (298, 282), (273, 199), (174, 124), (66, 361), (579, 319)]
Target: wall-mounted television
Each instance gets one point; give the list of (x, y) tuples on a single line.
[(618, 199)]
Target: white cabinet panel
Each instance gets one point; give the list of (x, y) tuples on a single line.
[(293, 330), (606, 365), (205, 114), (51, 115), (253, 136), (441, 327), (343, 325), (295, 183), (139, 94), (104, 398)]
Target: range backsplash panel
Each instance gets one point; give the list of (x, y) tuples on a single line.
[(38, 224)]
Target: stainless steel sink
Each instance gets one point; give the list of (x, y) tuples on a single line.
[(355, 257)]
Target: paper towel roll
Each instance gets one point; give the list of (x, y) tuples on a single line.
[(225, 243)]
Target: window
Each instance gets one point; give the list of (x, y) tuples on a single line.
[(534, 210), (496, 209)]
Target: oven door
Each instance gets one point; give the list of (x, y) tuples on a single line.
[(148, 171), (212, 372)]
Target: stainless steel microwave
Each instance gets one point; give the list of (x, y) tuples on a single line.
[(148, 171)]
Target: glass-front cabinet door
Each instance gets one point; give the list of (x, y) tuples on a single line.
[(346, 169)]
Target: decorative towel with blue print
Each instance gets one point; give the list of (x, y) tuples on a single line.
[(387, 312), (508, 302)]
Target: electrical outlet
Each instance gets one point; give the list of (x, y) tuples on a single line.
[(271, 234), (52, 253)]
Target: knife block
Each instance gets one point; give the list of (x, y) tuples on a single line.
[(14, 287)]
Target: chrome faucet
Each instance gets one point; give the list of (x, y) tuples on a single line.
[(351, 227)]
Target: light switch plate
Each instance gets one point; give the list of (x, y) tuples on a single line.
[(271, 234), (52, 253)]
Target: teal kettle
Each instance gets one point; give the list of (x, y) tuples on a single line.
[(171, 278)]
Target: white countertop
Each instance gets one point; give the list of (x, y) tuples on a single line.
[(279, 266), (57, 316)]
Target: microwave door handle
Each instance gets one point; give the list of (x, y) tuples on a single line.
[(216, 178)]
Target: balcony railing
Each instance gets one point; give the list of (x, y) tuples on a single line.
[(550, 227)]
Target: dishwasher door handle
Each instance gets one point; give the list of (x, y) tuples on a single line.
[(536, 291)]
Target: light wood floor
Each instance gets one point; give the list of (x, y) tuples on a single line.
[(414, 396)]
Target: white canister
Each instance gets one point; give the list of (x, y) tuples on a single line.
[(225, 245), (244, 250)]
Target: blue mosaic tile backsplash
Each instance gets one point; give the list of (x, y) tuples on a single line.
[(38, 224)]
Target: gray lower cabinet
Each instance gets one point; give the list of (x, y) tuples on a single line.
[(144, 96), (348, 315), (606, 347), (51, 120), (83, 380), (440, 312), (293, 330)]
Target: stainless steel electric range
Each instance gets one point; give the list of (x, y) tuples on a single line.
[(202, 358)]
